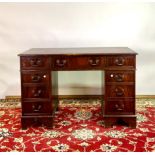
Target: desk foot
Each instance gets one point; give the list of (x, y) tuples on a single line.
[(27, 121), (122, 121)]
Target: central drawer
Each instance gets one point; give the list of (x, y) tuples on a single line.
[(88, 62), (78, 62)]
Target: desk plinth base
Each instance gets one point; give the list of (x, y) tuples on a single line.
[(27, 121), (111, 120)]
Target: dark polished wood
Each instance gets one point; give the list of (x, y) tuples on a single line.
[(120, 76), (39, 81)]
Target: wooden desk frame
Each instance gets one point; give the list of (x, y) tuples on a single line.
[(39, 88)]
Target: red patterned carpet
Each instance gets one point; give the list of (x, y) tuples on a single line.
[(78, 126)]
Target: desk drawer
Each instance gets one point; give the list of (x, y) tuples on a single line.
[(120, 61), (120, 90), (35, 77), (88, 62), (78, 62), (120, 106), (36, 92), (35, 62), (34, 108), (120, 76)]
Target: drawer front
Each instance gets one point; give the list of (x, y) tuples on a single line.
[(35, 77), (35, 62), (34, 108), (120, 61), (120, 107), (36, 92), (120, 91), (88, 62), (120, 76), (78, 62)]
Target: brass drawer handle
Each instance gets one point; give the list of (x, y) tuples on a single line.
[(94, 61), (61, 63), (36, 108), (37, 93), (119, 77), (119, 107), (119, 61), (35, 62), (119, 91), (36, 78)]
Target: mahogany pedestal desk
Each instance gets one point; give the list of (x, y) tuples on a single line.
[(39, 81)]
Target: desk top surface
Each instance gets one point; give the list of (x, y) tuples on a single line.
[(79, 51)]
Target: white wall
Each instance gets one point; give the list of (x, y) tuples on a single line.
[(27, 25)]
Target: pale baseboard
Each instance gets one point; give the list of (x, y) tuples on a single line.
[(99, 96), (82, 97), (145, 96)]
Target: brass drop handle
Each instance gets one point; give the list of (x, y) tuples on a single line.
[(119, 91), (37, 93), (35, 62), (119, 61), (36, 108), (119, 77), (36, 78), (119, 107), (61, 63), (94, 61)]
